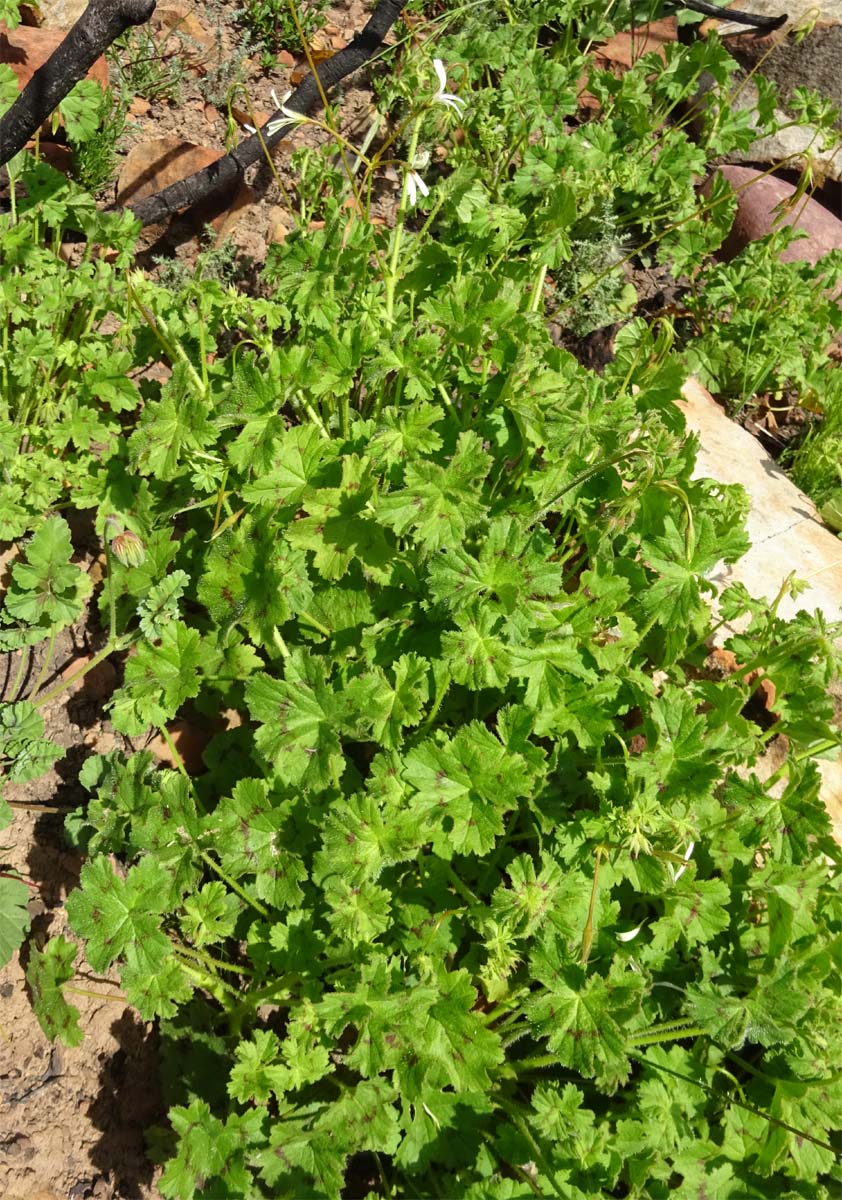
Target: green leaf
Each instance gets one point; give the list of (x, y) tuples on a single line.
[(82, 110), (584, 1019), (159, 606), (298, 718), (159, 678), (211, 1152), (475, 656), (113, 914), (14, 915), (247, 829), (211, 914), (48, 969), (48, 589), (299, 454), (695, 910), (464, 786), (27, 752), (254, 584), (439, 503)]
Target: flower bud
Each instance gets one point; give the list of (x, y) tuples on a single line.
[(128, 549)]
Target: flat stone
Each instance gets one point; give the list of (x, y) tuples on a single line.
[(786, 532), (154, 165), (181, 19)]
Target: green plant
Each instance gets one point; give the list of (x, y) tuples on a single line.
[(148, 69), (273, 25), (95, 157), (226, 71), (764, 326), (815, 463), (599, 293), (482, 893), (448, 849), (66, 346)]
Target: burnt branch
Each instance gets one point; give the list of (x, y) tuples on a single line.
[(306, 98), (99, 25), (732, 14)]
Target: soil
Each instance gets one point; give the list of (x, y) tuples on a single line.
[(72, 1121)]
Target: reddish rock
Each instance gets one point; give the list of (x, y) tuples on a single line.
[(758, 197), (26, 49), (152, 166), (199, 42)]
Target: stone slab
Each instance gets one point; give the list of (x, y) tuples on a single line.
[(785, 529), (786, 535)]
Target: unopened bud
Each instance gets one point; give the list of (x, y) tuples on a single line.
[(128, 549)]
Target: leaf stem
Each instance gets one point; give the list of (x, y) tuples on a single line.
[(48, 657), (232, 883), (75, 991), (394, 257), (219, 964), (111, 648)]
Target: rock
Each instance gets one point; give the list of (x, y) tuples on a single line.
[(280, 223), (622, 51), (26, 49), (59, 157), (756, 216), (811, 61), (152, 166), (180, 19), (190, 742), (787, 538), (59, 14), (786, 533)]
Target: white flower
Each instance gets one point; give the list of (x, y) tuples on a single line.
[(629, 935), (289, 116), (441, 96), (414, 185), (688, 854)]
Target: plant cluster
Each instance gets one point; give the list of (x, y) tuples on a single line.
[(481, 893), (279, 25)]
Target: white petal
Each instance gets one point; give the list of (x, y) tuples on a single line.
[(630, 935), (438, 67), (414, 185), (688, 854), (451, 101)]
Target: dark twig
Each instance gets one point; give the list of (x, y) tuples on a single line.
[(732, 14), (304, 100), (99, 25)]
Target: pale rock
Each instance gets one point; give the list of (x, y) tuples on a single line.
[(812, 61), (59, 14), (787, 537), (786, 533)]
